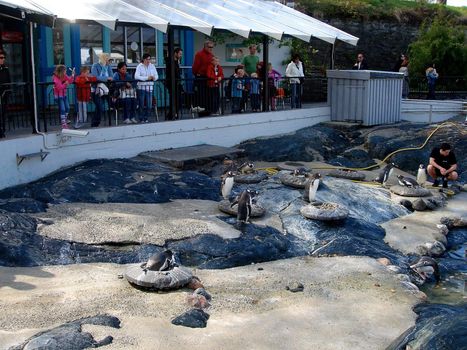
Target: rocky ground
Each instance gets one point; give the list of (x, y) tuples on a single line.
[(66, 240)]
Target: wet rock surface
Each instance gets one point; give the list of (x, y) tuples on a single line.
[(70, 335), (194, 318)]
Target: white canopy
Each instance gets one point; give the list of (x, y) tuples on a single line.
[(241, 17)]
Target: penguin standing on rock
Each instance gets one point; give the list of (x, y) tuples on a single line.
[(384, 175), (421, 175), (311, 188), (227, 184), (407, 181), (161, 261), (246, 168), (245, 203)]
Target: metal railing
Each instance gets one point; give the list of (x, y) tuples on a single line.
[(447, 87), (194, 98)]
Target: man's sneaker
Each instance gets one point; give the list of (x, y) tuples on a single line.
[(445, 183), (127, 121), (197, 109), (134, 121), (77, 125), (436, 183)]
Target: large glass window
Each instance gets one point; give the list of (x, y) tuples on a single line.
[(149, 43), (133, 38), (117, 45), (59, 49), (91, 43)]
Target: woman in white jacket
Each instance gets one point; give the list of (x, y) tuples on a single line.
[(295, 74), (146, 74)]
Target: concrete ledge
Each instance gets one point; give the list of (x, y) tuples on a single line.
[(430, 111)]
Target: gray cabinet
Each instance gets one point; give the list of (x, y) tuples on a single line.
[(367, 97)]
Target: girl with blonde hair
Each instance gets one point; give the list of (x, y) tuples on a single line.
[(61, 81)]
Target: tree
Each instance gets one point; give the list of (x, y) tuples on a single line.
[(443, 44)]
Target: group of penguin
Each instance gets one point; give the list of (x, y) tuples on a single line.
[(406, 181)]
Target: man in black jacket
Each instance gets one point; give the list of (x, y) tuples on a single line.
[(4, 87), (177, 56), (361, 63)]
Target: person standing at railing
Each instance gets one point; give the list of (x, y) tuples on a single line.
[(250, 61), (273, 77), (103, 72), (431, 76), (405, 83), (127, 93), (4, 87), (215, 75), (177, 57), (255, 93), (294, 72), (61, 81), (146, 73), (83, 95), (361, 63), (199, 68), (238, 87)]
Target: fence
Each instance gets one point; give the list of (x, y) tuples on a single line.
[(447, 87), (111, 104)]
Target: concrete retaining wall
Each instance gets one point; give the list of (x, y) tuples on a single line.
[(430, 111)]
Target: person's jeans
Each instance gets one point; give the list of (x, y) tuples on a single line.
[(129, 107), (144, 103), (63, 107), (296, 95), (99, 104)]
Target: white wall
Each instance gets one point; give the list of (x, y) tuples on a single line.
[(430, 111), (128, 141)]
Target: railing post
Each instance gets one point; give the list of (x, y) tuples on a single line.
[(265, 73), (171, 67)]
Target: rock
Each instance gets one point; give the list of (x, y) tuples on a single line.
[(225, 207), (410, 191), (443, 229), (198, 301), (195, 283), (454, 221), (345, 174), (295, 287), (294, 181), (384, 261), (175, 278), (394, 268), (203, 292), (430, 204), (324, 211), (406, 203), (251, 178), (70, 335), (419, 204), (194, 318), (412, 288), (431, 249)]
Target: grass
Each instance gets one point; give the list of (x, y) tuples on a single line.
[(399, 10)]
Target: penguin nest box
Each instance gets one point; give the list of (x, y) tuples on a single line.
[(256, 210), (410, 191), (324, 211), (170, 279), (294, 181), (349, 175), (252, 178)]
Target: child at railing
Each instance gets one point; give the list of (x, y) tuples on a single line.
[(255, 93), (83, 94), (61, 81), (238, 86), (215, 74)]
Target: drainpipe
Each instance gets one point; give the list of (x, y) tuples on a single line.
[(265, 73)]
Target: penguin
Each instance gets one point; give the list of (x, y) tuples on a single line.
[(426, 267), (407, 181), (245, 203), (246, 168), (161, 261), (385, 174), (299, 172), (227, 184), (311, 187), (421, 175)]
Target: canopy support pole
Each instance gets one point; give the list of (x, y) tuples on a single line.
[(333, 46), (170, 69), (265, 73)]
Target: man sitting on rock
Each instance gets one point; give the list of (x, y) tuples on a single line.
[(442, 163)]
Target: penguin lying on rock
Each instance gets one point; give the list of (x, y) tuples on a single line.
[(426, 267), (407, 181), (246, 168), (161, 261)]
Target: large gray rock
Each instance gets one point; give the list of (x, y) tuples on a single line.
[(252, 178), (345, 174), (324, 211), (410, 191), (225, 207), (171, 279)]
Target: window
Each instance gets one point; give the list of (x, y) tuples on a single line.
[(59, 49), (176, 43), (133, 53), (117, 44), (91, 43), (149, 43)]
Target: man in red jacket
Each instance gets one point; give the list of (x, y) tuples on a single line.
[(200, 66)]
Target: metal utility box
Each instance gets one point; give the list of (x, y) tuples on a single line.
[(366, 96)]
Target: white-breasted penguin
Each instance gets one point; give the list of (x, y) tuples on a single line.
[(407, 181), (299, 172), (245, 203), (246, 168), (421, 175), (426, 267), (384, 175), (161, 261), (311, 187), (227, 184)]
